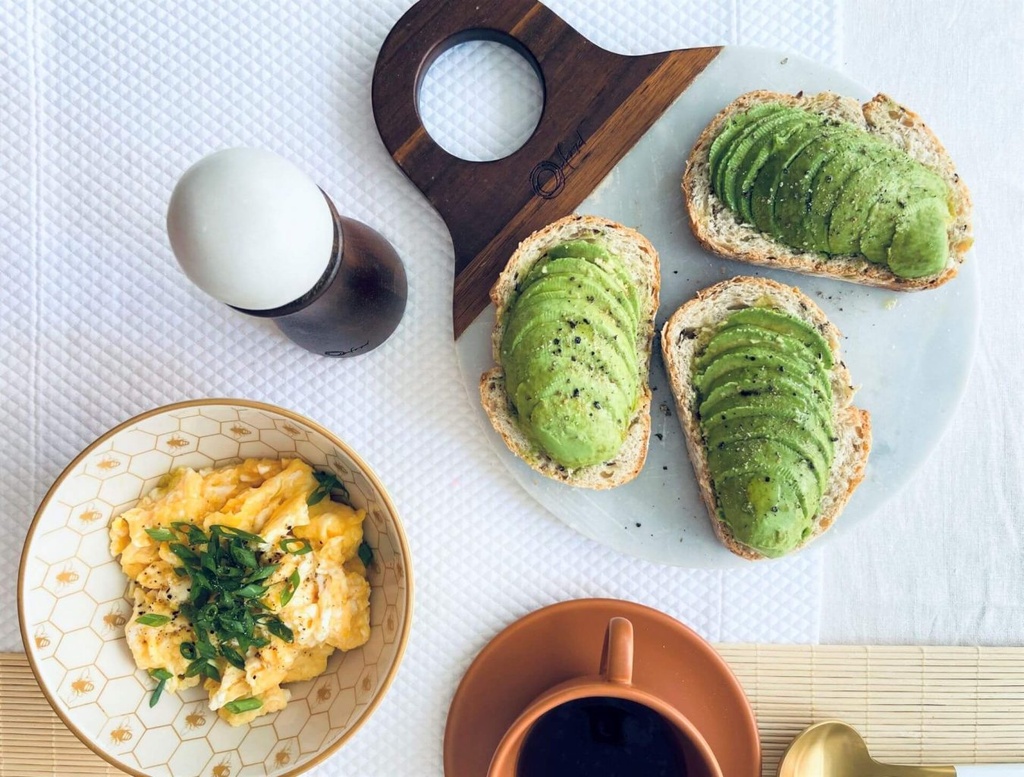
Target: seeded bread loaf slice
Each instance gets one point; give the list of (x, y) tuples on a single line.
[(719, 230), (641, 262), (681, 341)]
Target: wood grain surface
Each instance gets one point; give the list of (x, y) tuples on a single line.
[(597, 104)]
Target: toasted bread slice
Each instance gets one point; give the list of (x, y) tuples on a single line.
[(641, 263), (719, 230), (680, 342)]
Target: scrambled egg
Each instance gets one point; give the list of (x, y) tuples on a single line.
[(330, 608)]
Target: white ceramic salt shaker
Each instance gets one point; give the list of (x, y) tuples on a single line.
[(255, 232)]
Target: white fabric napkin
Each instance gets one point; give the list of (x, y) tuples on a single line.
[(103, 105)]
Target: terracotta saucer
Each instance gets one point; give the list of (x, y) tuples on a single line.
[(564, 641)]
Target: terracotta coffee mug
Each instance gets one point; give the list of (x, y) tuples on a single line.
[(615, 681)]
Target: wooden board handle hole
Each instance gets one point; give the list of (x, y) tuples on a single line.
[(496, 91)]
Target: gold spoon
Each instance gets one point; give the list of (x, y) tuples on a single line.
[(834, 749)]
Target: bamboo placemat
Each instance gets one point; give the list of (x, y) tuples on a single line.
[(913, 705)]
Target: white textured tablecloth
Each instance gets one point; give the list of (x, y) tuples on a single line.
[(944, 563), (103, 105)]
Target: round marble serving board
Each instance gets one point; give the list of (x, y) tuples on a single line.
[(909, 353), (612, 141)]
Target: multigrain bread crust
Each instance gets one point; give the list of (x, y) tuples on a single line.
[(680, 342), (718, 229), (641, 261)]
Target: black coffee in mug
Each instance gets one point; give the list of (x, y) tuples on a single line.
[(602, 737)]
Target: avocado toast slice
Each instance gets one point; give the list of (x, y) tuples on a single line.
[(788, 452), (848, 229), (572, 341)]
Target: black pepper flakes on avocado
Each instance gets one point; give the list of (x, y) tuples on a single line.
[(769, 435), (582, 288), (829, 186)]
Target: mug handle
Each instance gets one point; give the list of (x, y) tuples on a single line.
[(617, 658)]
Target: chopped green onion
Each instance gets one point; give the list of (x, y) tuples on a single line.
[(196, 667), (233, 656), (227, 571), (188, 557), (244, 556), (196, 536), (152, 619), (209, 563), (162, 676), (327, 483), (243, 705), (201, 590), (263, 574), (365, 553), (157, 692), (293, 585), (278, 629), (248, 621), (231, 531), (303, 545), (188, 650), (162, 535), (231, 625), (203, 667), (252, 591)]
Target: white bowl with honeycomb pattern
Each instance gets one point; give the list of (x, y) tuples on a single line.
[(72, 601)]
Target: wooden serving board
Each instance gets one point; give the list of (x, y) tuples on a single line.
[(612, 141), (601, 104), (914, 705)]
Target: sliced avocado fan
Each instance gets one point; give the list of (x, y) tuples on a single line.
[(764, 404), (569, 351), (819, 184)]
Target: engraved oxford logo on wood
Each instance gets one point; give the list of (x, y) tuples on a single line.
[(547, 179)]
